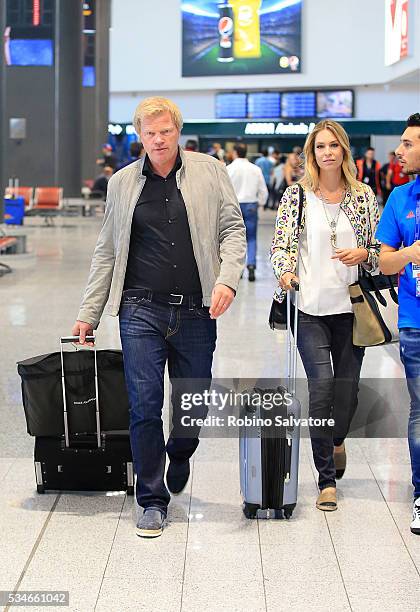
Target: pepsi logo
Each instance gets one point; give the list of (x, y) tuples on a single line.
[(225, 26)]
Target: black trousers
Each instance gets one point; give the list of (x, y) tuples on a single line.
[(332, 365)]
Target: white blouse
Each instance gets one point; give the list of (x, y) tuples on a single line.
[(324, 281)]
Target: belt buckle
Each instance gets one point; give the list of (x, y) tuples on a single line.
[(177, 295)]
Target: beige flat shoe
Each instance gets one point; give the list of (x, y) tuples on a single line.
[(327, 499), (340, 461)]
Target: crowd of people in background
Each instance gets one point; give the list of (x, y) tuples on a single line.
[(280, 169), (261, 180)]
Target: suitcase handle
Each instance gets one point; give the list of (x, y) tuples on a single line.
[(292, 340), (71, 339), (288, 459)]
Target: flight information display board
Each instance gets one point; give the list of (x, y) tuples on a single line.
[(264, 105), (298, 104), (231, 106)]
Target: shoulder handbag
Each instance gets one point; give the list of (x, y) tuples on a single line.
[(277, 318), (375, 306)]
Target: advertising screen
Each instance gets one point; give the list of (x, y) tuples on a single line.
[(334, 104), (231, 106), (298, 104), (29, 52), (28, 38), (263, 105), (89, 35), (241, 37)]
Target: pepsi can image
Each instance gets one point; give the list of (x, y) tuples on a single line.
[(225, 27)]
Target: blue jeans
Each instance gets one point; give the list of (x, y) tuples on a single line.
[(410, 357), (250, 215), (333, 388), (152, 334)]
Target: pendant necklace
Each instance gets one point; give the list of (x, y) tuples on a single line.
[(332, 221)]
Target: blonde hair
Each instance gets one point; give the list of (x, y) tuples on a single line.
[(155, 106), (310, 179)]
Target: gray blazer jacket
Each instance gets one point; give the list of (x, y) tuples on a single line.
[(216, 226)]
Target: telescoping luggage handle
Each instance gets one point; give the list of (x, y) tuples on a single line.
[(70, 340), (291, 366), (292, 340)]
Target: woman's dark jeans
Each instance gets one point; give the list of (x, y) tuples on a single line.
[(333, 387)]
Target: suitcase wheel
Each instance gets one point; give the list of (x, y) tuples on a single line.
[(130, 490), (288, 511), (40, 488), (250, 510)]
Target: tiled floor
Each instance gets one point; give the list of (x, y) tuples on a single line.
[(210, 557)]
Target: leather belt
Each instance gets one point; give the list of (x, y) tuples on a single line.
[(172, 299)]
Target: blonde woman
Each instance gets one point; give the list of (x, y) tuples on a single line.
[(322, 253)]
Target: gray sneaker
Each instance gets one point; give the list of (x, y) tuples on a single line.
[(151, 523)]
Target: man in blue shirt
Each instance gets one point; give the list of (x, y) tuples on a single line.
[(266, 165), (400, 227)]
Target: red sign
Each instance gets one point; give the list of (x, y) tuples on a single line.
[(404, 29), (396, 30), (36, 13)]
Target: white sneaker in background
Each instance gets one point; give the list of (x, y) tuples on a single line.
[(415, 525)]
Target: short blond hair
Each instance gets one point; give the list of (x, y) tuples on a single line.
[(348, 168), (155, 106)]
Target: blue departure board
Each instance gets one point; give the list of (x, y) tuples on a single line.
[(298, 104), (264, 105), (231, 106)]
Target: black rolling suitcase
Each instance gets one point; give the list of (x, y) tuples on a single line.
[(91, 461)]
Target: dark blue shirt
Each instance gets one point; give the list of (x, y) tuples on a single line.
[(397, 228)]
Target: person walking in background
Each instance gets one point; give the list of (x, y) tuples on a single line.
[(396, 175), (100, 186), (266, 165), (293, 170), (136, 151), (168, 261), (368, 171), (251, 191), (217, 151), (191, 145), (399, 232), (383, 173), (322, 253), (278, 183), (108, 158)]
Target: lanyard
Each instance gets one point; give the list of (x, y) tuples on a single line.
[(417, 234)]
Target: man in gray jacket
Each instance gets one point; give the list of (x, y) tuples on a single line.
[(168, 261)]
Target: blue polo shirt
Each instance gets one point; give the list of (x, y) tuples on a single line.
[(397, 228), (266, 166)]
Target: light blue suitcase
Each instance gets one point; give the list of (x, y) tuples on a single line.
[(269, 464)]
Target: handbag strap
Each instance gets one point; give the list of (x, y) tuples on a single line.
[(364, 273), (392, 292), (300, 209)]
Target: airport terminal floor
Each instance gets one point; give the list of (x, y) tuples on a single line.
[(210, 557)]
